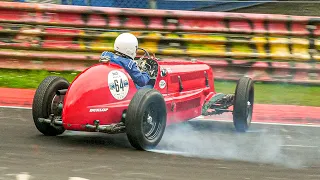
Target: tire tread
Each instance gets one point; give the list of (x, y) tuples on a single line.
[(241, 97), (39, 105)]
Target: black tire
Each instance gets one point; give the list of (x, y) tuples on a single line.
[(242, 111), (41, 107), (145, 103)]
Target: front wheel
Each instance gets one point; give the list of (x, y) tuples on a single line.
[(146, 119), (243, 104), (46, 102)]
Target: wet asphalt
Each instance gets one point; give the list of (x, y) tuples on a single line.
[(193, 150)]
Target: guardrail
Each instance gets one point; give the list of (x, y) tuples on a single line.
[(76, 35)]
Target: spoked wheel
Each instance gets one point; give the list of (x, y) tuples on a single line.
[(46, 102), (249, 109), (243, 104), (146, 119), (56, 106), (151, 123)]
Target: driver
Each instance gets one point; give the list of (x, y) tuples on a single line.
[(126, 46)]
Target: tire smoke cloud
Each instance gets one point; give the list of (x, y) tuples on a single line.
[(223, 143)]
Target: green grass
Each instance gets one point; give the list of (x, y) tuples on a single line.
[(278, 93), (29, 79), (264, 93)]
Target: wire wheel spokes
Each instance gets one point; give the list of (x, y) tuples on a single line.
[(151, 123)]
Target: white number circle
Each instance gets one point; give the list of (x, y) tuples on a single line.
[(118, 84)]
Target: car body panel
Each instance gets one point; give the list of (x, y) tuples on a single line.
[(187, 102), (90, 96)]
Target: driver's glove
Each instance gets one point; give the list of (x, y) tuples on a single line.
[(105, 56)]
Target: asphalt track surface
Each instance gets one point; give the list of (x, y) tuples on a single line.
[(195, 150)]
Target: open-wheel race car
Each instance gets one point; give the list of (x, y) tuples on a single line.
[(104, 98)]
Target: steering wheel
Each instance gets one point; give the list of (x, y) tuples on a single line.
[(142, 61), (145, 53)]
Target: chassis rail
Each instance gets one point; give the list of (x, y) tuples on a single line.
[(53, 121), (110, 129)]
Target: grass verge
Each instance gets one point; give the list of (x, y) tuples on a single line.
[(264, 93)]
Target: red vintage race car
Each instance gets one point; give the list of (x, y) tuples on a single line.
[(103, 98)]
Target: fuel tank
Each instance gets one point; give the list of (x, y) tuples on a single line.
[(101, 92)]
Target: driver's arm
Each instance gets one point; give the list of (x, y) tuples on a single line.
[(138, 77)]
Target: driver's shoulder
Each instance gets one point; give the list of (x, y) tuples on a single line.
[(131, 63), (125, 61), (120, 60), (107, 53)]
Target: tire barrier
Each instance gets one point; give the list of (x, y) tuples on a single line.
[(60, 34)]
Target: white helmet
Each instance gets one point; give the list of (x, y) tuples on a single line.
[(126, 43)]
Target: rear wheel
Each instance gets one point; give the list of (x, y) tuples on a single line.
[(146, 119), (243, 104), (46, 102)]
